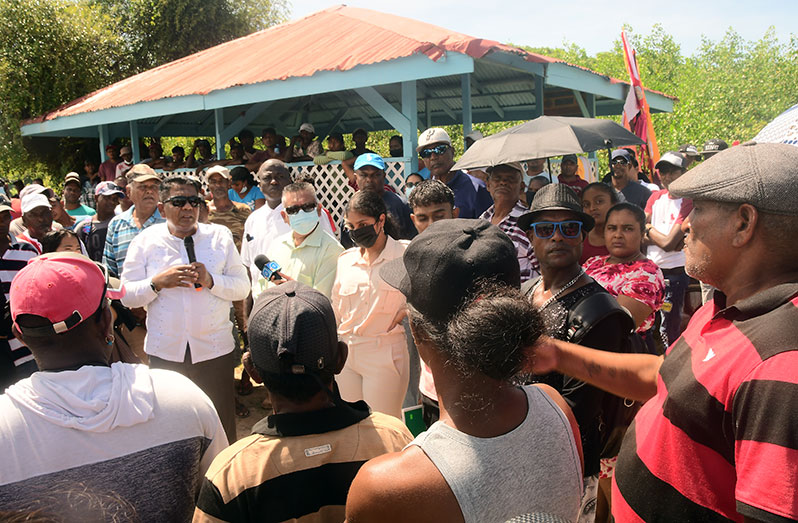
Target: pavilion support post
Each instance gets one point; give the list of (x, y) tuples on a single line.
[(102, 133), (590, 101), (465, 83), (134, 141), (410, 135), (404, 121), (218, 119), (538, 96), (241, 123), (427, 113)]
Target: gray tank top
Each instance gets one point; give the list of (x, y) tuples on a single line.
[(533, 468)]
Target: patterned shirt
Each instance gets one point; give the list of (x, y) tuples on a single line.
[(718, 441), (530, 268), (640, 280), (121, 232), (233, 219), (87, 188)]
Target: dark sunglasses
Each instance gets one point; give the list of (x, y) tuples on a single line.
[(296, 208), (181, 201), (621, 161), (438, 149), (568, 229)]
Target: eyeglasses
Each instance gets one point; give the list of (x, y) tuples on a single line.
[(568, 229), (411, 185), (438, 149), (181, 201), (296, 208), (619, 161)]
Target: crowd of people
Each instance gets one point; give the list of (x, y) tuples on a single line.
[(538, 325)]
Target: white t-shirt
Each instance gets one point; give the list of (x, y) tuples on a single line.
[(145, 435), (665, 213)]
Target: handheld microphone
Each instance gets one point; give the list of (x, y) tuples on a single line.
[(188, 241), (267, 268)]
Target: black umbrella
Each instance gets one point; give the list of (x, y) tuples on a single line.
[(544, 137)]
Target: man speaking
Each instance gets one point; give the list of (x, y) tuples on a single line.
[(188, 294)]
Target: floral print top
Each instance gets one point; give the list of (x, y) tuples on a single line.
[(640, 280)]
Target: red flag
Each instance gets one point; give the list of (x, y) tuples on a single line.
[(636, 113)]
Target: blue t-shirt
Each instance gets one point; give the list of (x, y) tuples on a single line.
[(254, 194), (471, 201)]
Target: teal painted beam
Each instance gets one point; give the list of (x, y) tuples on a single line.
[(409, 136), (240, 123), (516, 62), (658, 102), (590, 101), (162, 122), (384, 108), (539, 102), (218, 120), (102, 133), (465, 93), (400, 70), (581, 103), (570, 77), (180, 104), (134, 141)]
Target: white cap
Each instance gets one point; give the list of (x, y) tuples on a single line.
[(72, 177), (31, 201), (33, 188), (307, 127), (475, 135), (433, 135), (672, 158), (218, 169)]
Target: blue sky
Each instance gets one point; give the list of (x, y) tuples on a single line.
[(593, 25)]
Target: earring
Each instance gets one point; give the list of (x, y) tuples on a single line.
[(109, 340)]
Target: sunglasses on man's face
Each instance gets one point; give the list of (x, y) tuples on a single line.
[(568, 229), (181, 201), (296, 208), (620, 161), (438, 149)]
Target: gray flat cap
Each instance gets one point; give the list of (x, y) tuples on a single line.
[(762, 174)]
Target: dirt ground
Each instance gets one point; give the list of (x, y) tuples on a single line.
[(254, 402)]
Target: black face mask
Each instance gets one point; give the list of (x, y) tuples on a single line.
[(396, 153), (365, 236)]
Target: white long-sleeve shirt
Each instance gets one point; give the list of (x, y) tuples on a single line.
[(181, 315)]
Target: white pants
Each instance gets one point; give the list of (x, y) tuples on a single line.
[(377, 371)]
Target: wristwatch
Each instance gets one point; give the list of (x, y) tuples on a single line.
[(153, 287)]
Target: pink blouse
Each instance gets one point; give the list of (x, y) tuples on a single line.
[(640, 280)]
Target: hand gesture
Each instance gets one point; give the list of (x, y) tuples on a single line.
[(397, 318), (204, 278), (176, 276), (542, 357)]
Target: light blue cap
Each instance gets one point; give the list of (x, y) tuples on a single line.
[(372, 159)]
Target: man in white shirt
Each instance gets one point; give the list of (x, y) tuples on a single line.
[(188, 300), (307, 254), (267, 223)]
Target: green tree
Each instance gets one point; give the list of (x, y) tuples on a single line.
[(51, 52), (160, 31)]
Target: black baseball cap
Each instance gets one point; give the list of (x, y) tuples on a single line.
[(292, 330), (714, 146), (555, 197), (438, 270)]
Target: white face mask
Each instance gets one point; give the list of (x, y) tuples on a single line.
[(303, 222)]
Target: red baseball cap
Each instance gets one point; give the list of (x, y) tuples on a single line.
[(63, 287)]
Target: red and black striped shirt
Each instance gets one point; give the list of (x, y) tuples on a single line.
[(719, 441)]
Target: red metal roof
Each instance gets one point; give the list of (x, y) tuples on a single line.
[(335, 39)]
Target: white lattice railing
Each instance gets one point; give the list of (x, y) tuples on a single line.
[(334, 192)]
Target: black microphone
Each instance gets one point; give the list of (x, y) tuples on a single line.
[(267, 267), (188, 241)]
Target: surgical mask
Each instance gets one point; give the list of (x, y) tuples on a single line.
[(408, 190), (364, 237), (303, 222)]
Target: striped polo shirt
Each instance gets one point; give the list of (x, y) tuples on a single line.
[(297, 466), (12, 261), (719, 441)]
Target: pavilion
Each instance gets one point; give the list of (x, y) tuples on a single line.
[(340, 68)]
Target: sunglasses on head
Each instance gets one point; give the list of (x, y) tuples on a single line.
[(438, 149), (568, 229), (621, 161), (296, 208), (181, 201)]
